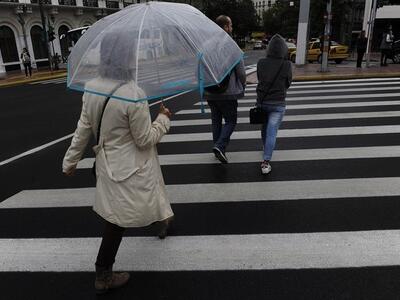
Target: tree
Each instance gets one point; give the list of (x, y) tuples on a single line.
[(282, 18), (242, 13)]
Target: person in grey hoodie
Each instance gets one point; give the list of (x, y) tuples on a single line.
[(274, 75), (224, 104)]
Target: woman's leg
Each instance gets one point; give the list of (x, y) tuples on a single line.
[(105, 278), (111, 240), (275, 116)]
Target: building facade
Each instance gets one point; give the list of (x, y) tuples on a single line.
[(262, 6), (21, 27)]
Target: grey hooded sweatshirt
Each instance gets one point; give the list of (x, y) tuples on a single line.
[(235, 90), (267, 70)]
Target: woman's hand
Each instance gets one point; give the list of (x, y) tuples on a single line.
[(165, 111), (70, 171)]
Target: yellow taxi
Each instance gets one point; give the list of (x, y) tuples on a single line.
[(337, 52)]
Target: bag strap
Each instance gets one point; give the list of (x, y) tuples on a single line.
[(102, 113)]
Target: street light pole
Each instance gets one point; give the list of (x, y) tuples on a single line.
[(371, 23), (45, 39), (327, 36), (302, 32)]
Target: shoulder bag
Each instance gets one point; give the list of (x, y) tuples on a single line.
[(99, 127)]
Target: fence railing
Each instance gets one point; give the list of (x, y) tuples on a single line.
[(90, 3)]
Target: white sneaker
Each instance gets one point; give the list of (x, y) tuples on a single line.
[(265, 167)]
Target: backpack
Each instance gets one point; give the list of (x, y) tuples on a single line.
[(220, 87)]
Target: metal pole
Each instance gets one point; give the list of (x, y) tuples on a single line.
[(45, 33), (302, 32), (371, 23), (327, 36)]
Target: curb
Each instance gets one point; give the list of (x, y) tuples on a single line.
[(345, 76), (338, 76), (23, 81)]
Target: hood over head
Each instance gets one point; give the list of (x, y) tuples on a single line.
[(277, 47)]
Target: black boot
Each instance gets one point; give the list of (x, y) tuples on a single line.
[(106, 279)]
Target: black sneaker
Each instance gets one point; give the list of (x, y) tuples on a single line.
[(220, 155)]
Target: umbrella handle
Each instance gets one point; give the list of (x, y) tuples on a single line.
[(200, 76)]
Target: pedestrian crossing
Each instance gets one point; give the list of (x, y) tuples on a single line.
[(330, 202)]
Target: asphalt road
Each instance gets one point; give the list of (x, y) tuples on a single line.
[(323, 225)]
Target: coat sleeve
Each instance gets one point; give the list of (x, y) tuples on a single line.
[(241, 72), (145, 133), (79, 141)]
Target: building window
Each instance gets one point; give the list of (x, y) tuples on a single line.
[(67, 2), (39, 49), (62, 32), (112, 4), (90, 3), (7, 45)]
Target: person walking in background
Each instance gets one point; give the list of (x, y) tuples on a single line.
[(130, 190), (222, 100), (26, 60), (274, 75), (386, 45), (361, 47)]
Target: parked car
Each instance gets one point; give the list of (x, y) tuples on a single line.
[(337, 52), (258, 45), (291, 47)]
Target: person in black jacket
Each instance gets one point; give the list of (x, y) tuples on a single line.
[(274, 75), (361, 47), (26, 60)]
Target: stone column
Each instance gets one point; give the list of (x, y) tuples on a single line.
[(2, 67)]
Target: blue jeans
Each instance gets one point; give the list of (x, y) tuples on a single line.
[(226, 109), (269, 130)]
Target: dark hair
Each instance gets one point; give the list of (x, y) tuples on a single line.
[(222, 21)]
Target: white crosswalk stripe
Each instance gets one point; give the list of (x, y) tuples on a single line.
[(324, 137)]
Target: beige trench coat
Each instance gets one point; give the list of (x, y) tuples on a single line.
[(130, 190)]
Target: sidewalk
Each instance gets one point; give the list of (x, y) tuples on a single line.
[(302, 73), (342, 71), (18, 78)]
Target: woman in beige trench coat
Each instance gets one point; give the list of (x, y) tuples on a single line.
[(130, 190)]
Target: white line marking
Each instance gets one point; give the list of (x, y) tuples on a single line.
[(288, 133), (37, 149), (224, 192), (290, 118), (34, 150), (292, 99), (279, 155), (213, 252), (304, 106)]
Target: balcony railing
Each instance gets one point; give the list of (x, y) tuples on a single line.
[(15, 1), (67, 2), (90, 3), (43, 1), (112, 4)]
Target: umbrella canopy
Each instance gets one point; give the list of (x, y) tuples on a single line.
[(164, 48)]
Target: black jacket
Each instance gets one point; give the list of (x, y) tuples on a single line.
[(267, 70)]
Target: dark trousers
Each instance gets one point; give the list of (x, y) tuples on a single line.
[(360, 55), (226, 109), (28, 67), (110, 242), (384, 56)]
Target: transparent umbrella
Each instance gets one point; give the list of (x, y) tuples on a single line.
[(164, 48)]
